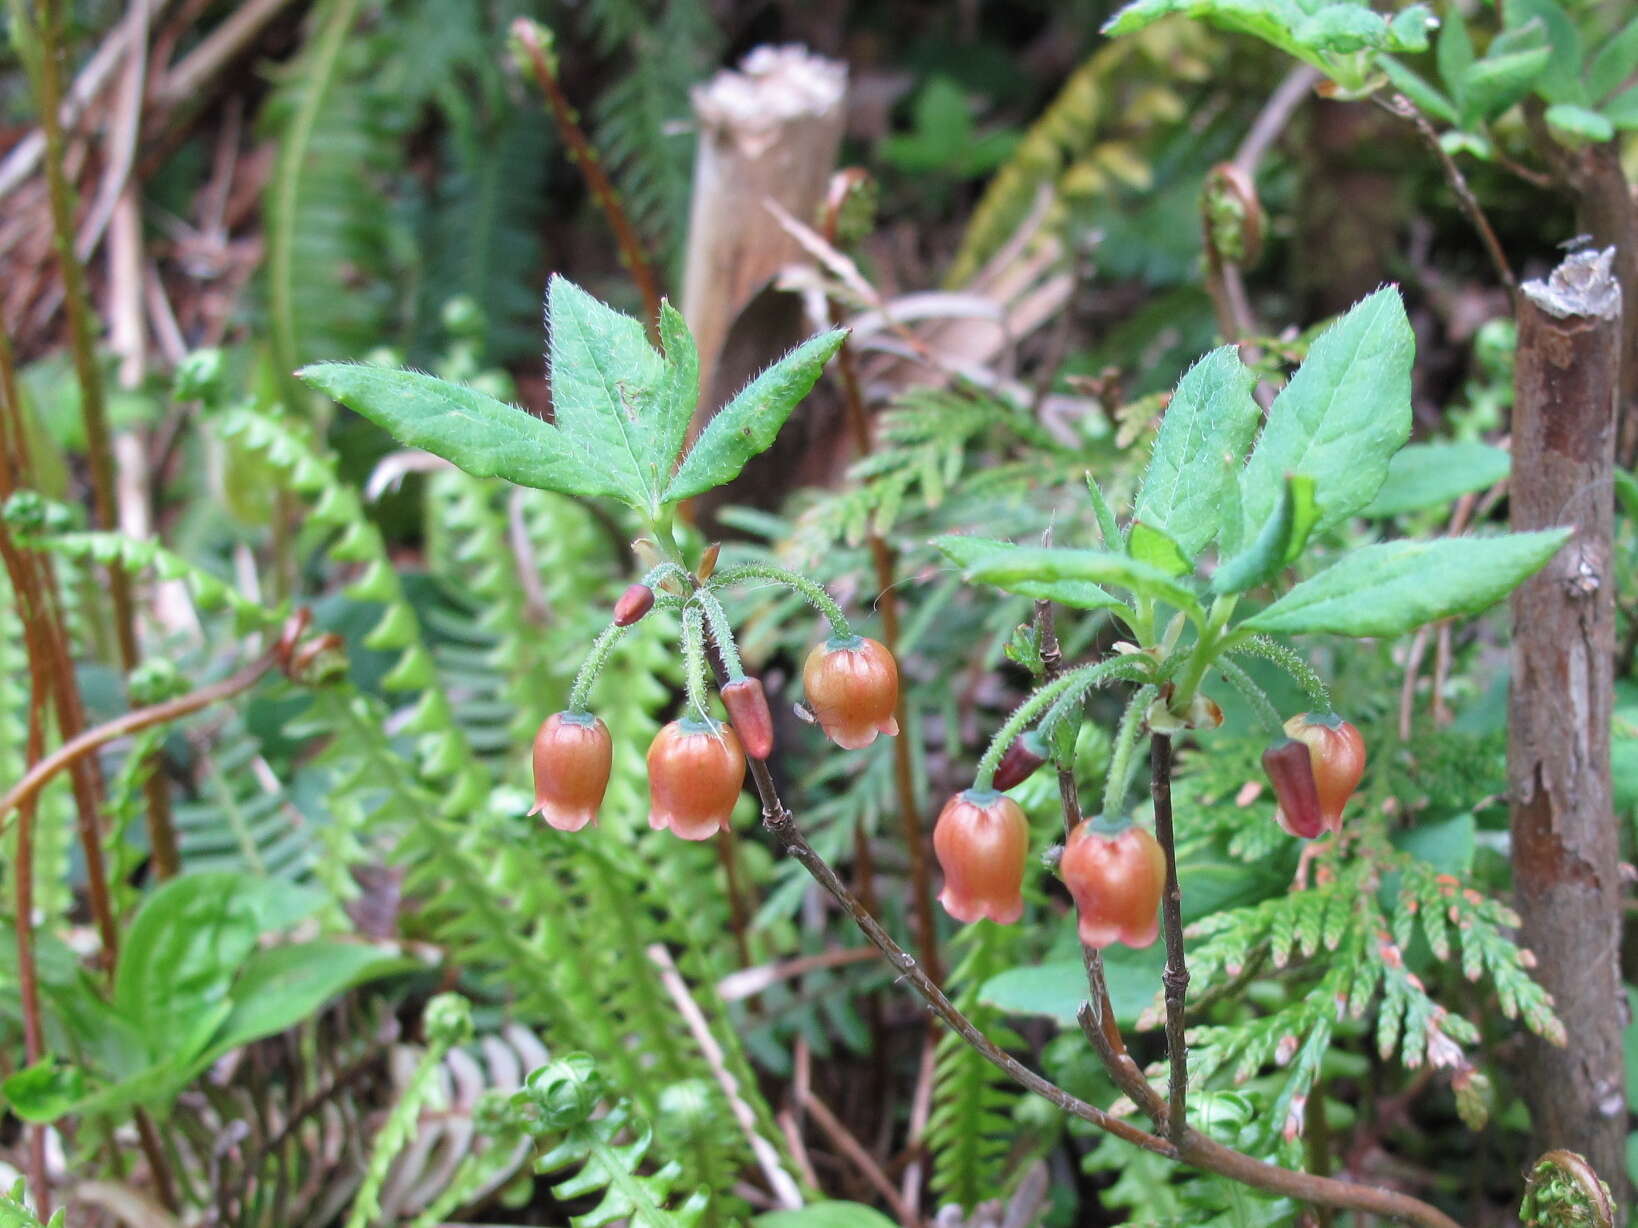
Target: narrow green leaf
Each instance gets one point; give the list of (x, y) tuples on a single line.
[(1411, 84), (1393, 587), (1501, 79), (1454, 52), (1432, 474), (679, 393), (1614, 64), (1616, 61), (747, 424), (1562, 79), (1107, 528), (474, 432), (1280, 541), (1622, 110), (1150, 545), (1040, 572), (1211, 415), (964, 552), (1578, 125), (1341, 418)]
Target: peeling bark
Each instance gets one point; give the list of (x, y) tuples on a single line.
[(1565, 840)]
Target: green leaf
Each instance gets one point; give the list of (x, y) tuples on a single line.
[(1389, 588), (1150, 545), (747, 424), (1341, 418), (1622, 110), (1616, 60), (1432, 474), (1502, 78), (1454, 53), (1561, 81), (188, 942), (1055, 574), (1408, 29), (615, 396), (280, 986), (1280, 541), (964, 552), (1108, 530), (825, 1215), (473, 432), (1578, 125), (1412, 84), (1211, 415), (1626, 491), (44, 1091)]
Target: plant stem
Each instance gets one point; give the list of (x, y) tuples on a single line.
[(814, 594), (1192, 1147), (722, 635), (693, 646), (72, 751), (1015, 724), (1407, 110), (1253, 695), (584, 155), (1176, 976), (45, 30), (598, 657), (1114, 788), (1291, 662)]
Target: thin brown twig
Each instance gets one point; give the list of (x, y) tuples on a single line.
[(45, 31), (1175, 978), (75, 749), (861, 1159), (584, 155), (1407, 110)]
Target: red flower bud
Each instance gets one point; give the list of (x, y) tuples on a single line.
[(1116, 876), (747, 706), (1337, 752), (1019, 763), (982, 842), (1290, 768), (695, 771), (633, 604), (572, 756), (852, 686)]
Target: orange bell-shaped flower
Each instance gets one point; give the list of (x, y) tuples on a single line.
[(982, 842), (695, 772), (1337, 752), (852, 686), (572, 756), (1116, 874)]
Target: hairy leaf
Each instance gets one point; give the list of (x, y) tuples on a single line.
[(1392, 587)]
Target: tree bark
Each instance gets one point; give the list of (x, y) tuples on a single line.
[(1565, 840)]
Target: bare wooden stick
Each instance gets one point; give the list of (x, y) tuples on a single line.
[(1566, 850), (768, 131)]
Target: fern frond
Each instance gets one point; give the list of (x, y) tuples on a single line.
[(973, 1125)]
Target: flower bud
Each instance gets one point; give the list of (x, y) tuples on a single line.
[(572, 755), (1019, 763), (982, 842), (748, 713), (635, 602), (695, 772), (852, 686), (1337, 752), (1290, 769), (1116, 874)]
